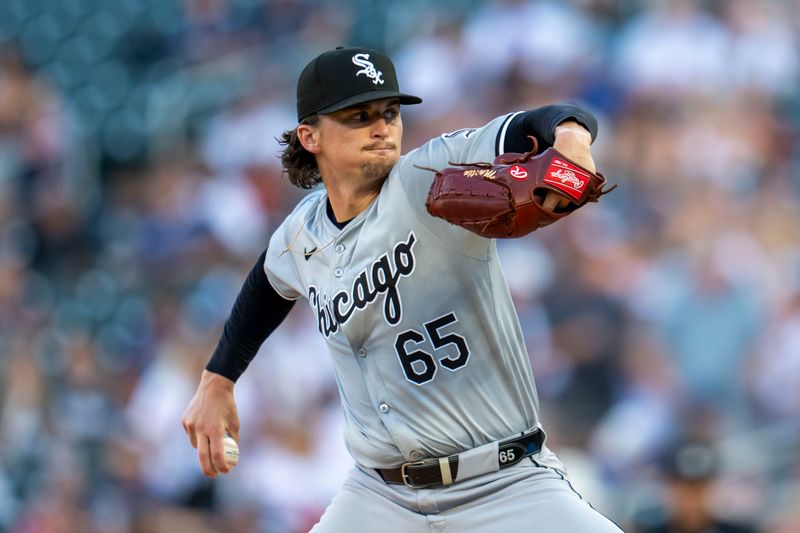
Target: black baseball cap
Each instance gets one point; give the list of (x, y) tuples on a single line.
[(344, 77)]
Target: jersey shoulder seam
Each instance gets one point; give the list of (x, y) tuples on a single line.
[(302, 213), (287, 298)]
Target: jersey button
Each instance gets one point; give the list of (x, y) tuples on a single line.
[(338, 272), (416, 455), (362, 352), (384, 408), (339, 248)]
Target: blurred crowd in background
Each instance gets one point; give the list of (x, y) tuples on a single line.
[(139, 183)]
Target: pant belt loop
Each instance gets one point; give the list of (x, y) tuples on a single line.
[(444, 466)]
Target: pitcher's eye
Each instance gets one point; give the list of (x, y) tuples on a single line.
[(360, 116), (391, 114)]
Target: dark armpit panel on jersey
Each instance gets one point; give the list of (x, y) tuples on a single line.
[(541, 123), (258, 310)]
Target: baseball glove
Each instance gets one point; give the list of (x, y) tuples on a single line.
[(515, 195)]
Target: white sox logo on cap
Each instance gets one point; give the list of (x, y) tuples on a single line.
[(329, 83), (367, 68)]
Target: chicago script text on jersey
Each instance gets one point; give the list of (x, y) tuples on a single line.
[(382, 276)]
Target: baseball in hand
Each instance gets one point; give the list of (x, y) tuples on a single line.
[(231, 450), (554, 201)]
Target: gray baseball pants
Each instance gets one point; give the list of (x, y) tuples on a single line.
[(522, 498)]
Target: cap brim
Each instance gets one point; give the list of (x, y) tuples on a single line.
[(405, 99)]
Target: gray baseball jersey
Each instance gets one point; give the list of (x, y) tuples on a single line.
[(426, 345)]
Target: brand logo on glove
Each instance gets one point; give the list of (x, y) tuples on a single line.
[(567, 177), (518, 173), (480, 172), (367, 68)]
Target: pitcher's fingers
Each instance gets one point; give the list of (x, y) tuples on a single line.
[(553, 201), (217, 452), (189, 429), (204, 456), (233, 428)]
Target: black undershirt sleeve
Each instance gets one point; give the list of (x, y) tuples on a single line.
[(258, 310), (541, 123)]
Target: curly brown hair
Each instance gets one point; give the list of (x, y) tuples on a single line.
[(298, 163)]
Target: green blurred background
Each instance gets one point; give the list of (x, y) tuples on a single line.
[(139, 183)]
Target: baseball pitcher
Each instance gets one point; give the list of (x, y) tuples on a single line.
[(396, 258)]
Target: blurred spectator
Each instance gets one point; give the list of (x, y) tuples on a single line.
[(709, 329), (690, 470), (681, 36), (775, 372), (756, 27)]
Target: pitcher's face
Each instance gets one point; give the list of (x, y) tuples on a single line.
[(363, 140)]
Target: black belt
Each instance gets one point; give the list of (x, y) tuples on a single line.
[(437, 472)]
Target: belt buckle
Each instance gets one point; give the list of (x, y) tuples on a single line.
[(407, 481)]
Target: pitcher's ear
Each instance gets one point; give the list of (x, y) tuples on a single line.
[(309, 137)]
